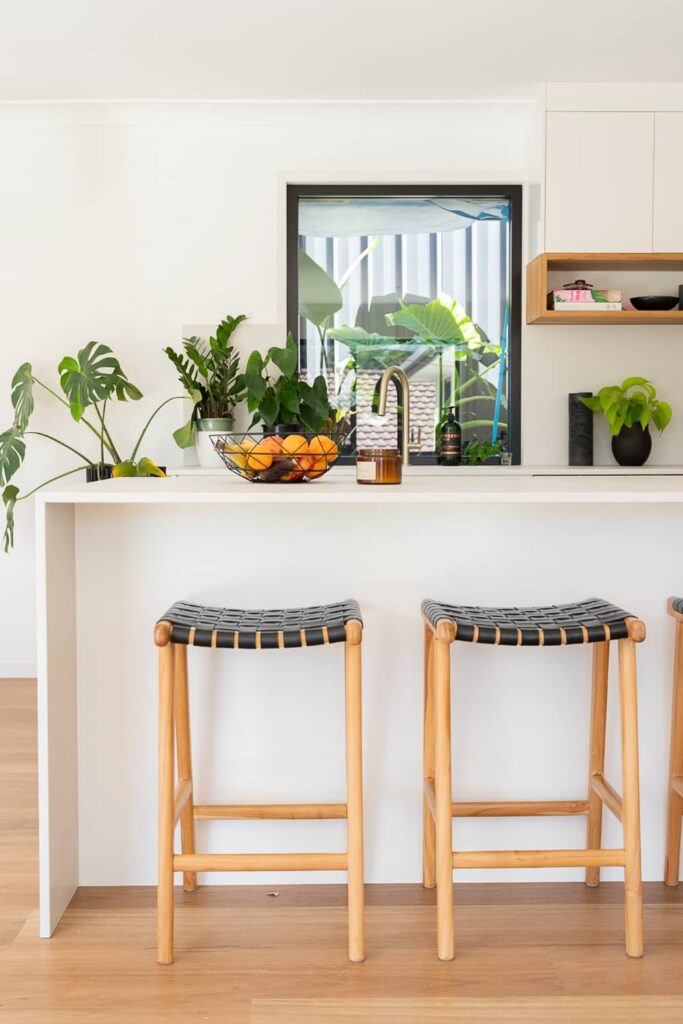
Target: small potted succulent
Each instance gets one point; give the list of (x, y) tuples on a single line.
[(209, 372), (629, 408)]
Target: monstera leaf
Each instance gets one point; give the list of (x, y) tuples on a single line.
[(12, 451), (94, 376), (22, 395), (444, 319), (319, 296)]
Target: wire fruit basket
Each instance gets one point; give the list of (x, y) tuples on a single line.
[(273, 458)]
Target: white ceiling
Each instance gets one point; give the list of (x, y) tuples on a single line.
[(329, 49)]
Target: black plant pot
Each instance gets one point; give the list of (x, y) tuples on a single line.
[(102, 471), (283, 429), (632, 445)]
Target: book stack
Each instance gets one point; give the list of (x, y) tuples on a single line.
[(583, 297)]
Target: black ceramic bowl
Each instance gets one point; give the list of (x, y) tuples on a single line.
[(663, 302)]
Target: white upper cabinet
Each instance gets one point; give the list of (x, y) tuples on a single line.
[(600, 180), (668, 204)]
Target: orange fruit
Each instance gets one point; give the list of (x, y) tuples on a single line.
[(295, 444), (261, 455), (318, 468), (321, 444)]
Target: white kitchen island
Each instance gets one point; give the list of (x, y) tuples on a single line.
[(112, 556)]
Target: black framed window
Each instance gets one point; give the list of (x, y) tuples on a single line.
[(424, 277)]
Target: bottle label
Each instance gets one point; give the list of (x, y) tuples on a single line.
[(450, 446)]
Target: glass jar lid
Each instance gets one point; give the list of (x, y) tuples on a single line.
[(378, 453)]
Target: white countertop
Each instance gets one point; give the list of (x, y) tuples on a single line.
[(421, 485)]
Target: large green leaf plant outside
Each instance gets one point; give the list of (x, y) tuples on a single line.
[(88, 381), (440, 328)]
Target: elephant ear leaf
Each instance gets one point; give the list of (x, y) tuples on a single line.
[(12, 452), (22, 395), (93, 376), (9, 497), (319, 296)]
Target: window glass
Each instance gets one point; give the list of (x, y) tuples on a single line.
[(418, 281)]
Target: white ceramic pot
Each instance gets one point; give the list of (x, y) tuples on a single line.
[(206, 455)]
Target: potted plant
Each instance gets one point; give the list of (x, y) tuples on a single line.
[(89, 381), (278, 399), (476, 451), (628, 409), (209, 372)]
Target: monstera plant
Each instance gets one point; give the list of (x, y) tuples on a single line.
[(88, 382)]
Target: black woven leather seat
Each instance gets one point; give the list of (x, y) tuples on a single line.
[(203, 626), (586, 622)]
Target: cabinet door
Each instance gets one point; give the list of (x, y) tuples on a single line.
[(599, 182), (668, 206)]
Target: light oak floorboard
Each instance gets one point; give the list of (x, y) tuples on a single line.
[(523, 952)]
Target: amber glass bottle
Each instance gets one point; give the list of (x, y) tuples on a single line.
[(450, 443)]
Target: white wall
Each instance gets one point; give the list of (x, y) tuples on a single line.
[(122, 223)]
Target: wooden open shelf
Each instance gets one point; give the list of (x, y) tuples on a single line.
[(537, 286)]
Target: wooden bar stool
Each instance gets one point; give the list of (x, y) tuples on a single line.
[(675, 805), (195, 625), (588, 622)]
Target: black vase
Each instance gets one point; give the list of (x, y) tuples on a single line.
[(632, 445), (283, 429), (100, 471)]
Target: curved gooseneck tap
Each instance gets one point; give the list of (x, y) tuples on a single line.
[(400, 379)]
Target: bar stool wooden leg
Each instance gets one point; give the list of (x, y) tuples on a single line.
[(443, 798), (428, 828), (631, 798), (184, 759), (675, 808), (166, 808), (354, 791), (596, 761)]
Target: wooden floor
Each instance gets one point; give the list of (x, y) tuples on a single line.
[(549, 953)]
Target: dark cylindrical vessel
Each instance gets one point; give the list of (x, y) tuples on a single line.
[(98, 471), (632, 445), (580, 430)]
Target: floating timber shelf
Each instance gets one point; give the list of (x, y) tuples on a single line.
[(537, 287)]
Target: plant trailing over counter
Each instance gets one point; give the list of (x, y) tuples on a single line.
[(88, 381), (629, 408), (282, 397), (209, 372)]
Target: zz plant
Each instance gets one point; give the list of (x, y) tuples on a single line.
[(209, 372), (89, 382)]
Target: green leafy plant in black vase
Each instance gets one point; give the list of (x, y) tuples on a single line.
[(629, 408), (89, 382)]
